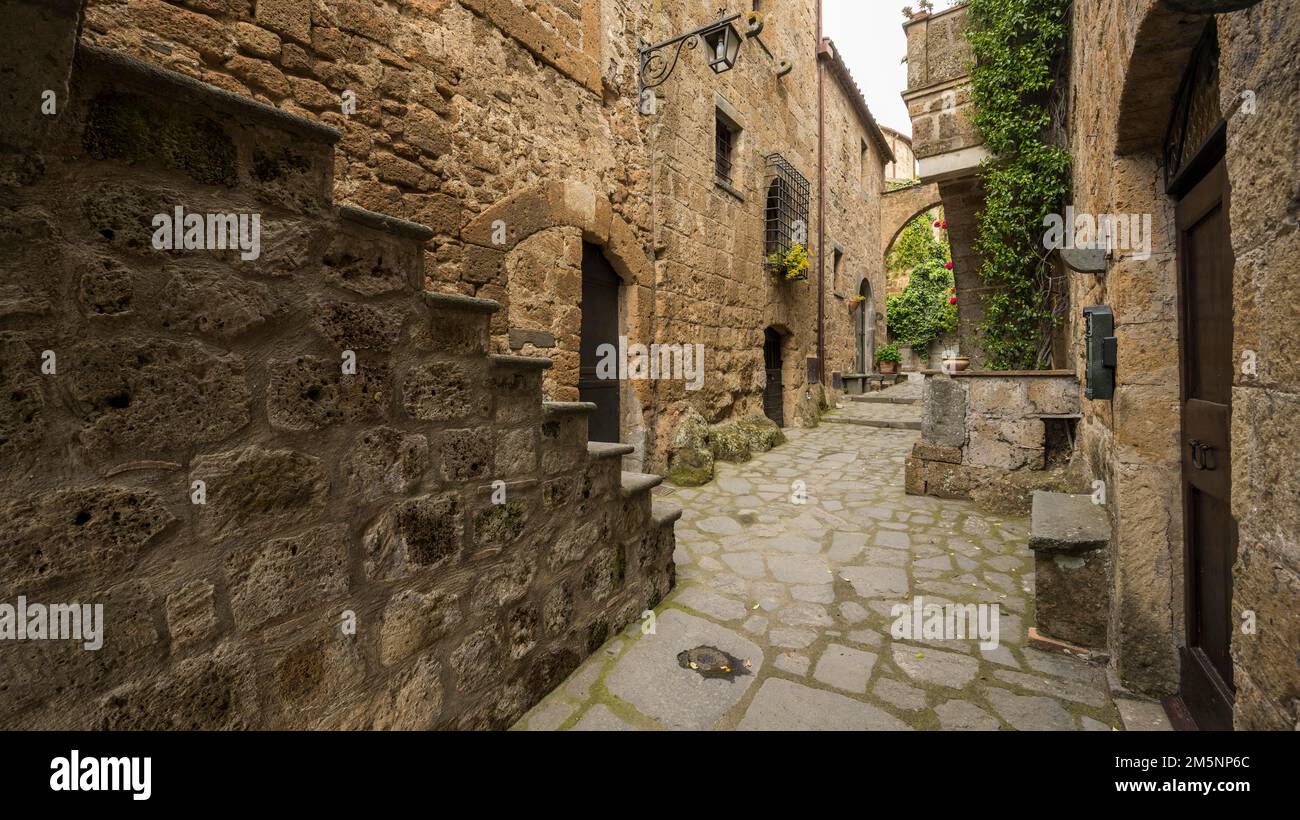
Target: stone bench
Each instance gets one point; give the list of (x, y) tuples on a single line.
[(1070, 536)]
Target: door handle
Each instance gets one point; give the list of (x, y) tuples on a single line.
[(1202, 455)]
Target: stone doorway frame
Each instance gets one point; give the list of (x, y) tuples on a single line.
[(567, 203)]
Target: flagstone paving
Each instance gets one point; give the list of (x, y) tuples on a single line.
[(790, 564)]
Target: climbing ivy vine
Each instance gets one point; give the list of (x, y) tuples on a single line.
[(926, 308), (1017, 45)]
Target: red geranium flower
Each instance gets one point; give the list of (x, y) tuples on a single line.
[(944, 225), (952, 301), (936, 223), (948, 265)]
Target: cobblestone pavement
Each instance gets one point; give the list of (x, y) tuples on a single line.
[(800, 596)]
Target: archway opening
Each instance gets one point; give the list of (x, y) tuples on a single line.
[(599, 339), (773, 361)]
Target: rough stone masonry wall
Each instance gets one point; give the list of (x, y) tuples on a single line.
[(855, 183), (1128, 56), (327, 496), (983, 436), (458, 104), (711, 287)]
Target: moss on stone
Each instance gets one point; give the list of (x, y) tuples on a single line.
[(730, 442)]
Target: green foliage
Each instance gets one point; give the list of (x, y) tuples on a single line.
[(1017, 44), (924, 310), (916, 243), (889, 353), (792, 264)]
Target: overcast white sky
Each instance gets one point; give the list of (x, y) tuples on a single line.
[(869, 35)]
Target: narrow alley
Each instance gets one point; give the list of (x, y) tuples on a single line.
[(801, 595)]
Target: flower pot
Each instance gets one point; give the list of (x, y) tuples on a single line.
[(956, 364), (887, 368)]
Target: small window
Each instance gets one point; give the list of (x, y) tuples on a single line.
[(863, 163), (836, 266), (724, 162)]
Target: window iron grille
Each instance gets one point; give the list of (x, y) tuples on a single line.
[(725, 142), (1196, 116), (787, 209)]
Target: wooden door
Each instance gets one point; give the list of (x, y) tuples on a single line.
[(599, 327), (773, 401), (1205, 303)]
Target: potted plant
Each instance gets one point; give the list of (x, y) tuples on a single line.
[(790, 265), (887, 359), (953, 363), (855, 302)]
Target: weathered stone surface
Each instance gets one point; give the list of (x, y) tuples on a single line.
[(87, 533), (845, 668), (690, 460), (308, 393), (650, 678), (385, 461), (419, 532), (354, 326), (443, 391), (784, 705), (935, 667), (944, 422), (214, 691), (252, 491), (287, 575), (413, 620), (191, 615), (138, 396)]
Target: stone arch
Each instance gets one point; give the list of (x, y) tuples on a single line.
[(1162, 46), (899, 207), (493, 235)]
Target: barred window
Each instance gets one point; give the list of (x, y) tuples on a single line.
[(726, 143)]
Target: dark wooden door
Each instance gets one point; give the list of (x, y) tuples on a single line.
[(1205, 301), (773, 403), (599, 327)]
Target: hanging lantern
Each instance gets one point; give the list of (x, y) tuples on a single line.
[(724, 47)]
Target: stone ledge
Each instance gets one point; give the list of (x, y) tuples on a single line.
[(637, 483), (568, 408), (521, 362), (383, 222), (598, 450), (1067, 524), (665, 513), (456, 301), (101, 62)]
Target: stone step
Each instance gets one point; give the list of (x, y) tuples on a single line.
[(1067, 524), (876, 398), (665, 513), (598, 450), (568, 408), (520, 362), (459, 302), (886, 424), (637, 483), (224, 140), (386, 223)]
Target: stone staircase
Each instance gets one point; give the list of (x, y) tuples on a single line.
[(303, 490)]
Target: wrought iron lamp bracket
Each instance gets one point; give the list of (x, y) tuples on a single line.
[(657, 67)]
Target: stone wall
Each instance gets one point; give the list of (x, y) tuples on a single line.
[(458, 105), (277, 542), (985, 436), (1128, 59), (469, 111)]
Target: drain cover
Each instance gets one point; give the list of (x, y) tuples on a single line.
[(712, 662)]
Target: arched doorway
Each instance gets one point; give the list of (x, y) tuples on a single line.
[(773, 398), (865, 329), (600, 289)]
